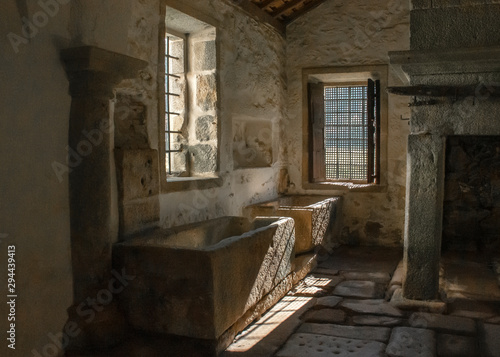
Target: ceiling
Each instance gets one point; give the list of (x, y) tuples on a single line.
[(278, 13)]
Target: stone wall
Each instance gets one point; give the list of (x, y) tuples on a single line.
[(349, 33), (251, 89), (454, 23)]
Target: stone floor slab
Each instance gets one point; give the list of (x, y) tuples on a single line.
[(374, 320), (380, 334), (308, 291), (381, 259), (443, 323), (264, 337), (472, 309), (311, 345), (469, 279), (491, 340), (328, 301), (373, 307), (360, 289), (332, 316), (377, 277), (456, 346), (326, 271), (411, 342)]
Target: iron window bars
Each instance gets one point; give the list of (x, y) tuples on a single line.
[(169, 114)]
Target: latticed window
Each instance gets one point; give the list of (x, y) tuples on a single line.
[(344, 132)]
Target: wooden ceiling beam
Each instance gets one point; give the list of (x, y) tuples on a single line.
[(286, 6), (253, 10), (306, 8), (265, 3)]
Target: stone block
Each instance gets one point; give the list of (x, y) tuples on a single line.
[(137, 174), (129, 120), (138, 215), (203, 158), (176, 49), (411, 342), (380, 334), (206, 92), (204, 55), (421, 4), (455, 27), (311, 345), (206, 128)]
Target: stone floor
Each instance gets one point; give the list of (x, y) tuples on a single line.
[(348, 306)]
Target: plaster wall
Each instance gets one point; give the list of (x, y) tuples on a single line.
[(350, 33), (34, 205)]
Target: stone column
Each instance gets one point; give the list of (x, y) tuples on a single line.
[(93, 73), (424, 212)]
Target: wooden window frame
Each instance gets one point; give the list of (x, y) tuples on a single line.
[(313, 176)]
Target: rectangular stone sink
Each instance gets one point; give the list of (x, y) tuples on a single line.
[(317, 218), (197, 280)]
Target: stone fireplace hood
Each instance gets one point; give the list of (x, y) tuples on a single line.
[(412, 65), (431, 123)]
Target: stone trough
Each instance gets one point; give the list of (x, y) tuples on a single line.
[(317, 218), (198, 280)]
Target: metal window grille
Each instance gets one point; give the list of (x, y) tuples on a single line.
[(170, 65), (346, 133)]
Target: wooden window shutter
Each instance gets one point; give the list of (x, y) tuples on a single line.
[(373, 171), (317, 170)]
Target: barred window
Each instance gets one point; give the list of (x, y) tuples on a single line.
[(344, 127), (187, 88), (174, 102)]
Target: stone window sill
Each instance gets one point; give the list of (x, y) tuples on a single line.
[(175, 184), (344, 186)]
